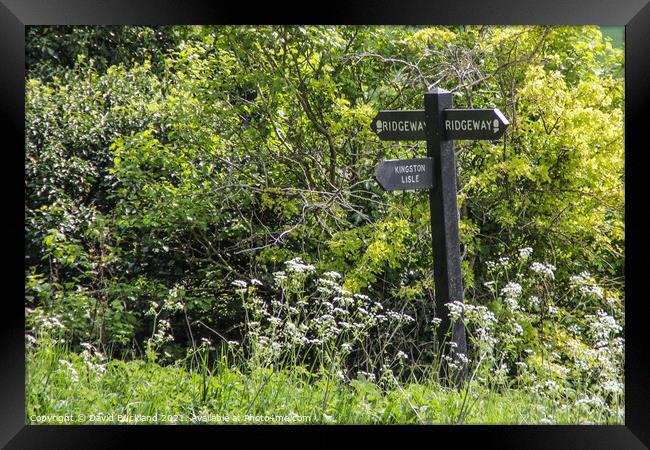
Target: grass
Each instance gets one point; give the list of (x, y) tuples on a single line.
[(66, 387)]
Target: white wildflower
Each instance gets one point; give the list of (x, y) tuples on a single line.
[(333, 275), (525, 252), (544, 269), (512, 304), (70, 370), (602, 327), (592, 289), (582, 278), (240, 284), (613, 386), (455, 310), (511, 290), (368, 375), (503, 261), (296, 265)]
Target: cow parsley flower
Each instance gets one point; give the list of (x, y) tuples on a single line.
[(332, 274), (70, 370), (455, 310), (279, 276), (368, 375), (511, 290), (296, 265), (525, 252), (593, 289), (544, 269)]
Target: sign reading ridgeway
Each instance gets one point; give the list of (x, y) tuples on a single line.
[(474, 124), (409, 125), (399, 125), (403, 174)]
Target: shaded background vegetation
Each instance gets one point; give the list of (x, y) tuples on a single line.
[(174, 160)]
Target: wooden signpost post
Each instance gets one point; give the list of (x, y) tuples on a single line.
[(439, 125)]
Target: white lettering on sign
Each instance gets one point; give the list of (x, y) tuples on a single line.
[(407, 179), (400, 125), (469, 125), (472, 125), (410, 168), (414, 169)]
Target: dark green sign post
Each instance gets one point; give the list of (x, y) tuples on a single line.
[(438, 124), (444, 225)]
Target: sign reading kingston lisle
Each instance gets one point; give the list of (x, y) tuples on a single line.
[(403, 174), (409, 125)]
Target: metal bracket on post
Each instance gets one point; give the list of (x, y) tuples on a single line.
[(444, 232)]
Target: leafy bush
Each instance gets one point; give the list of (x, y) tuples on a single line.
[(161, 168)]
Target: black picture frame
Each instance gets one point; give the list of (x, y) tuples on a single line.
[(633, 14)]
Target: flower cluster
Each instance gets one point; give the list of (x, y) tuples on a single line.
[(543, 269), (525, 252), (511, 290), (296, 265), (326, 326), (602, 328), (68, 370), (592, 359), (94, 359)]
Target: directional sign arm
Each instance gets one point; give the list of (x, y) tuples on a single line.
[(406, 125), (405, 174), (487, 124)]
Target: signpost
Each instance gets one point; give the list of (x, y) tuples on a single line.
[(439, 125), (402, 174)]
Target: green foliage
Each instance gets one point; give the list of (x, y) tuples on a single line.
[(163, 164), (52, 50)]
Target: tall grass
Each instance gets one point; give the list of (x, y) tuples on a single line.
[(335, 357), (66, 387)]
